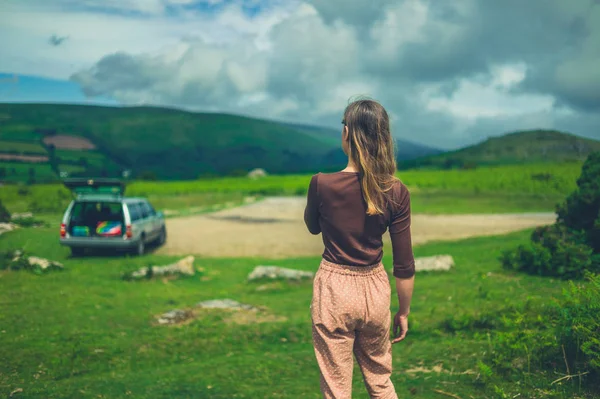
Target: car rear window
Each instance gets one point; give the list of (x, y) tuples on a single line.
[(96, 218)]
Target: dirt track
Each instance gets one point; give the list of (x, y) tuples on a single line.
[(274, 228)]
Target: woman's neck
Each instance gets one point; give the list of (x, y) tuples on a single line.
[(350, 167)]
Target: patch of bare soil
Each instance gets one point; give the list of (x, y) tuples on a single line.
[(24, 158), (68, 142), (274, 228)]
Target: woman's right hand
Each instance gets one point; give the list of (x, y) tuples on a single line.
[(400, 327)]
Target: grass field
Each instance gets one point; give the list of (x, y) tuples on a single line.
[(89, 334), (43, 171), (21, 147), (19, 133), (484, 190)]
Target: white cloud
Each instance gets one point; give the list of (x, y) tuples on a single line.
[(430, 63), (478, 98)]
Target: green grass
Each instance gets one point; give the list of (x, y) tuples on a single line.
[(18, 132), (75, 155), (20, 147), (85, 333), (178, 144), (43, 172), (484, 190)]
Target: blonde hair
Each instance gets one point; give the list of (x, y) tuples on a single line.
[(371, 149)]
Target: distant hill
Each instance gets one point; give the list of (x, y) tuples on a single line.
[(405, 150), (39, 141), (513, 148)]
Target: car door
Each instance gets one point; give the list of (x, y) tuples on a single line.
[(156, 222), (145, 221)]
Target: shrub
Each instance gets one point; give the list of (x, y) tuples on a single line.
[(570, 247), (4, 214), (554, 251), (579, 326), (581, 210)]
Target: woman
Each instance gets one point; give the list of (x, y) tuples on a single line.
[(352, 209)]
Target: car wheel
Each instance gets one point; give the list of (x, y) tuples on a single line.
[(162, 238), (140, 247)]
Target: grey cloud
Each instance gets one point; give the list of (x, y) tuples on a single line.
[(389, 50)]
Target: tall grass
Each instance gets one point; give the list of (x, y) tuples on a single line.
[(528, 180)]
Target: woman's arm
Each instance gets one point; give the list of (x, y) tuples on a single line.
[(311, 212), (404, 264)]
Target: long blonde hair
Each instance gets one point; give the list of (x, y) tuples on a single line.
[(371, 149)]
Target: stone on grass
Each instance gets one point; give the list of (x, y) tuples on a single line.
[(32, 263), (257, 173), (438, 262), (6, 227), (225, 304), (24, 215), (434, 263), (276, 272), (43, 264), (184, 266), (175, 316)]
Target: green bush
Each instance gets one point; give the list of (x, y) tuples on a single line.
[(4, 214), (563, 337), (581, 210), (579, 326), (553, 251), (570, 247)]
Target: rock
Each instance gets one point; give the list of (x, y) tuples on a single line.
[(434, 263), (43, 263), (257, 173), (225, 304), (184, 266), (438, 262), (23, 215), (175, 316), (6, 227), (275, 272)]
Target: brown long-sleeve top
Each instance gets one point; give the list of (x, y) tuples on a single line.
[(336, 208)]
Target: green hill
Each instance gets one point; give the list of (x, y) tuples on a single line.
[(159, 143), (532, 146)]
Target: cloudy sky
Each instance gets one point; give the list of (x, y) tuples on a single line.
[(450, 73)]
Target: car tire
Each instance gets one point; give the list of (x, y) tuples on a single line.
[(140, 247), (162, 237)]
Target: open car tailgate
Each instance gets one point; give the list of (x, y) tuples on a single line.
[(95, 186)]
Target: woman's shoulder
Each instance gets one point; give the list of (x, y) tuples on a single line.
[(400, 194)]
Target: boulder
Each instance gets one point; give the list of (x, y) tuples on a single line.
[(257, 173), (175, 316), (6, 227), (276, 272), (43, 264), (184, 266), (24, 215), (434, 263), (225, 304)]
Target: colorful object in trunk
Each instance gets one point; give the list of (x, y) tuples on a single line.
[(109, 229), (80, 231)]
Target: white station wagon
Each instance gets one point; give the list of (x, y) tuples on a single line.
[(100, 217)]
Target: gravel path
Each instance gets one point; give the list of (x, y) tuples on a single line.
[(274, 228)]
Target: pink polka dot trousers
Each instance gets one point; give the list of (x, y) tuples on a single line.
[(350, 312)]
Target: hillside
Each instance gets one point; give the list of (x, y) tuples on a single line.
[(38, 141), (532, 146)]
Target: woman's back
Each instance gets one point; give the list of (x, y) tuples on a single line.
[(337, 209)]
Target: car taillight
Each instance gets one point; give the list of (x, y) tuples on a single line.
[(128, 232), (63, 230)]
